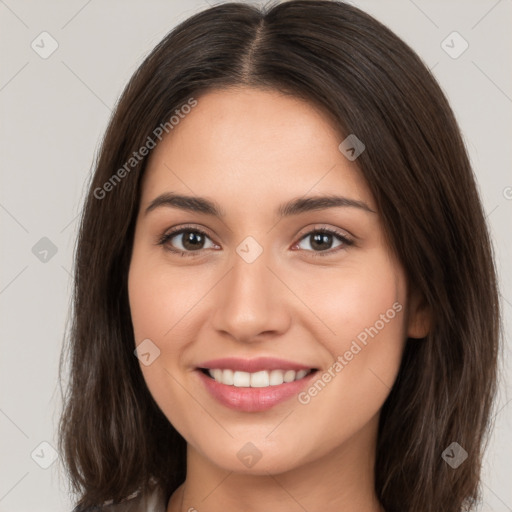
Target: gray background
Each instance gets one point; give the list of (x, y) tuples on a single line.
[(54, 112)]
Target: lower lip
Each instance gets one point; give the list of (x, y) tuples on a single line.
[(253, 399)]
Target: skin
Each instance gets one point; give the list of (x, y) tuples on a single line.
[(251, 150)]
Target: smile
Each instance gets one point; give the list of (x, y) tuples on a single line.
[(253, 385)]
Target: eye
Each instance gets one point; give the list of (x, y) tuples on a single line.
[(189, 240), (320, 241)]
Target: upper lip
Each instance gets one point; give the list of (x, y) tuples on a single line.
[(253, 365)]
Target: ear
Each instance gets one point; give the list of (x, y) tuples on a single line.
[(419, 317)]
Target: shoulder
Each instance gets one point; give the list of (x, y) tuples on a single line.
[(136, 502)]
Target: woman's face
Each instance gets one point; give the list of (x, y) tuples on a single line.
[(260, 293)]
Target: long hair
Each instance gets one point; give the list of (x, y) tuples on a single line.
[(114, 438)]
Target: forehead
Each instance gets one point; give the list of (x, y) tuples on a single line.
[(251, 146)]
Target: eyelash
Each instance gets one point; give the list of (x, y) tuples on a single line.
[(347, 242)]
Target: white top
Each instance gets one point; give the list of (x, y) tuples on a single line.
[(136, 502)]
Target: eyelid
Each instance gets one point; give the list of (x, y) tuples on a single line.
[(325, 227), (184, 227)]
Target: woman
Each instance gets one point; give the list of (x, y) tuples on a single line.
[(285, 294)]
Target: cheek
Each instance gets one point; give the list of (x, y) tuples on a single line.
[(365, 309), (159, 313), (161, 299), (155, 309), (351, 302)]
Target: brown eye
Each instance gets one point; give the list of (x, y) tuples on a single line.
[(186, 240), (322, 240)]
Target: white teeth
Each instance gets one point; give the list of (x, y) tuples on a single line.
[(289, 376), (276, 377), (261, 379), (227, 377), (241, 379), (301, 374)]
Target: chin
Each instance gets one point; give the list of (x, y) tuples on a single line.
[(258, 457)]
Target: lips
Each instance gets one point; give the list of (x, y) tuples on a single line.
[(252, 385)]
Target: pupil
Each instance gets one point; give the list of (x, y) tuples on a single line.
[(321, 238), (192, 238)]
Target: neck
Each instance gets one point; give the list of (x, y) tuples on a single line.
[(342, 479)]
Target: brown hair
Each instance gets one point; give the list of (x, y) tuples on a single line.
[(113, 436)]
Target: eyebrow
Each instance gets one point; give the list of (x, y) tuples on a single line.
[(292, 207)]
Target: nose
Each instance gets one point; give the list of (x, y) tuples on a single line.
[(251, 303)]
